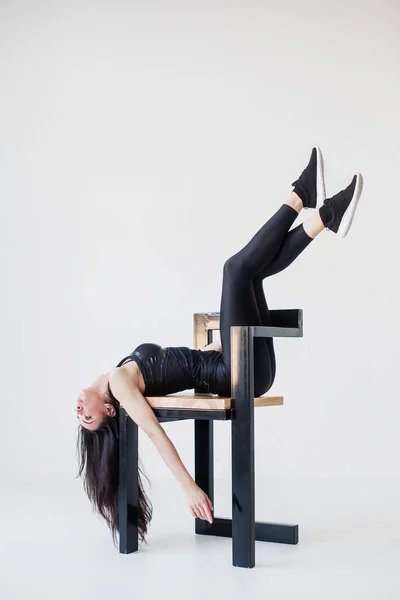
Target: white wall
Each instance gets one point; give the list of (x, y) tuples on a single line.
[(143, 143)]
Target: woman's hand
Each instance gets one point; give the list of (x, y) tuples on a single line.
[(200, 504), (213, 346)]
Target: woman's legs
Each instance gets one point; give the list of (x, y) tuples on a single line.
[(243, 301), (238, 300), (271, 250), (295, 242)]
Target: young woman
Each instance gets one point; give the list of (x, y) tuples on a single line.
[(151, 370)]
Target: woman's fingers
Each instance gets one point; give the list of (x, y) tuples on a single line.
[(202, 512), (197, 513), (209, 507), (205, 511), (200, 504)]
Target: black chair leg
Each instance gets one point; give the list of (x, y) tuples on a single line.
[(204, 464), (243, 492), (128, 484)]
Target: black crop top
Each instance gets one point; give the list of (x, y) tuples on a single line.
[(174, 369)]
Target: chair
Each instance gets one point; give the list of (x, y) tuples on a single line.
[(204, 409)]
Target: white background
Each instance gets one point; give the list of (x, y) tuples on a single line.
[(142, 144)]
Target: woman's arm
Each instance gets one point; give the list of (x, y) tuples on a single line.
[(213, 346), (135, 404)]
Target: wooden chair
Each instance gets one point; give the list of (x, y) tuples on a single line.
[(204, 409)]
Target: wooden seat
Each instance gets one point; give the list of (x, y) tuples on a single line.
[(206, 401)]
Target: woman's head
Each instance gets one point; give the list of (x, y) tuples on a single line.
[(93, 404), (98, 455)]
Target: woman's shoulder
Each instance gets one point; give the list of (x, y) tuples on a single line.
[(128, 370)]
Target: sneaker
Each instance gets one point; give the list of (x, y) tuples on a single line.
[(337, 213), (310, 186)]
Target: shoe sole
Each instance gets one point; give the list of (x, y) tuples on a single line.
[(348, 216), (321, 192)]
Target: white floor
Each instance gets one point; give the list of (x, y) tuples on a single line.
[(52, 546)]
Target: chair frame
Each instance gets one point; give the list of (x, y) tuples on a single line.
[(242, 527)]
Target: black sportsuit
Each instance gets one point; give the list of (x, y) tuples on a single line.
[(172, 369)]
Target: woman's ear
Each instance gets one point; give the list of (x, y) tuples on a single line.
[(110, 410)]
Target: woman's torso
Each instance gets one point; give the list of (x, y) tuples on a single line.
[(173, 369)]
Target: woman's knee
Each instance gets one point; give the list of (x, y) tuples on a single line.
[(236, 266)]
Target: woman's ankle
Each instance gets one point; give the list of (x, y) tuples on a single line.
[(314, 226), (295, 202)]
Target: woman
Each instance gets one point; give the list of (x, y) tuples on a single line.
[(151, 370)]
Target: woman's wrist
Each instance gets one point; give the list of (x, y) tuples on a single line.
[(187, 481)]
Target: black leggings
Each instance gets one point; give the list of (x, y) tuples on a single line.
[(272, 249)]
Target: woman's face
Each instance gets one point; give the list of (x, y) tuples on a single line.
[(93, 405)]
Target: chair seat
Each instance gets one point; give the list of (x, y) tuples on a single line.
[(206, 401)]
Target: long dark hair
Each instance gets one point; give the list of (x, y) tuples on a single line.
[(98, 455)]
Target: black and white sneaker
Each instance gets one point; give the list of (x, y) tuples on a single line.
[(310, 186), (337, 213)]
